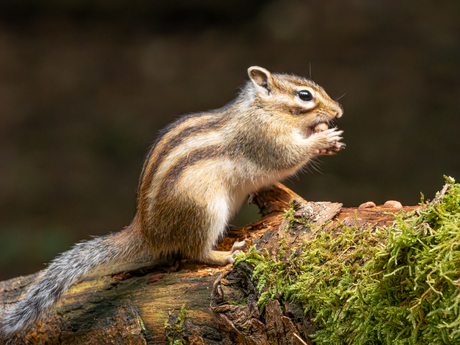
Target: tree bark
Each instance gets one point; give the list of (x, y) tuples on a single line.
[(140, 302)]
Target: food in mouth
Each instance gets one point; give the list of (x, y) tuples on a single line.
[(320, 127)]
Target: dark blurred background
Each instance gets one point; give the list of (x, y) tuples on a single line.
[(85, 86)]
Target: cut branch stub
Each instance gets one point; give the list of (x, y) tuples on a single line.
[(275, 199)]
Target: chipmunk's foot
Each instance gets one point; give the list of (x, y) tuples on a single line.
[(238, 246)]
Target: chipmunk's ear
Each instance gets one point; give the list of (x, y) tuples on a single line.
[(262, 80)]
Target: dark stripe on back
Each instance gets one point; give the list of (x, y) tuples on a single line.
[(180, 120), (184, 118), (195, 156), (176, 141), (160, 136)]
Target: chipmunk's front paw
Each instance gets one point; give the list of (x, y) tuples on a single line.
[(328, 142)]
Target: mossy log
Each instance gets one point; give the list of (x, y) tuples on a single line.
[(140, 302)]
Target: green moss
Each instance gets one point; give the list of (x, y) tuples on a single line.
[(243, 302), (289, 215), (173, 334), (181, 319), (141, 321), (395, 285)]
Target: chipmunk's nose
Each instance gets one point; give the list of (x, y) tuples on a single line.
[(339, 111)]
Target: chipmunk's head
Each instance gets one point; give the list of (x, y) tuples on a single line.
[(296, 101)]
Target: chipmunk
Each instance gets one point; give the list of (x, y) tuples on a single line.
[(196, 176)]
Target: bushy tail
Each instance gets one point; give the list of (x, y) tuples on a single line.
[(64, 271)]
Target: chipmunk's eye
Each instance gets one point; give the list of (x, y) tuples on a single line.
[(305, 95)]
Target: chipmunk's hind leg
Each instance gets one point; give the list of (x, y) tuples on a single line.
[(219, 213)]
